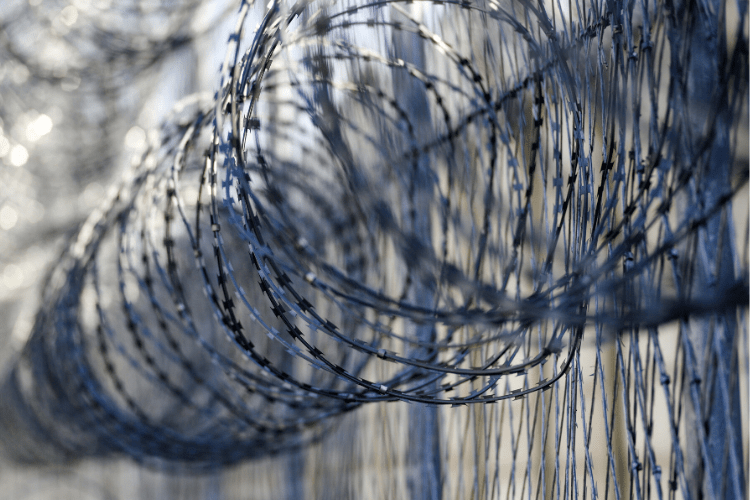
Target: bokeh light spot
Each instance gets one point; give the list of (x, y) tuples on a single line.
[(12, 277), (69, 15), (8, 217), (135, 138), (38, 128), (19, 155)]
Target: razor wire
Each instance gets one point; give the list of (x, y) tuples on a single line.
[(442, 203)]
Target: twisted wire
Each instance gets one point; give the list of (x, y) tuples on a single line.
[(442, 203)]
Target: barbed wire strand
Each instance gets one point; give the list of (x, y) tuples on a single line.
[(465, 206)]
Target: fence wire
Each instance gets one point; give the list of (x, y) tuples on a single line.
[(509, 239)]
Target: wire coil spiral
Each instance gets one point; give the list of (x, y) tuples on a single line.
[(435, 202)]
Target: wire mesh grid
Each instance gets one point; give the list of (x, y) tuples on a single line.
[(411, 250)]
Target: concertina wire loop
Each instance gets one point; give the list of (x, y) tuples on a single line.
[(375, 207)]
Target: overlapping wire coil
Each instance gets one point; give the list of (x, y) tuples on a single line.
[(436, 202)]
